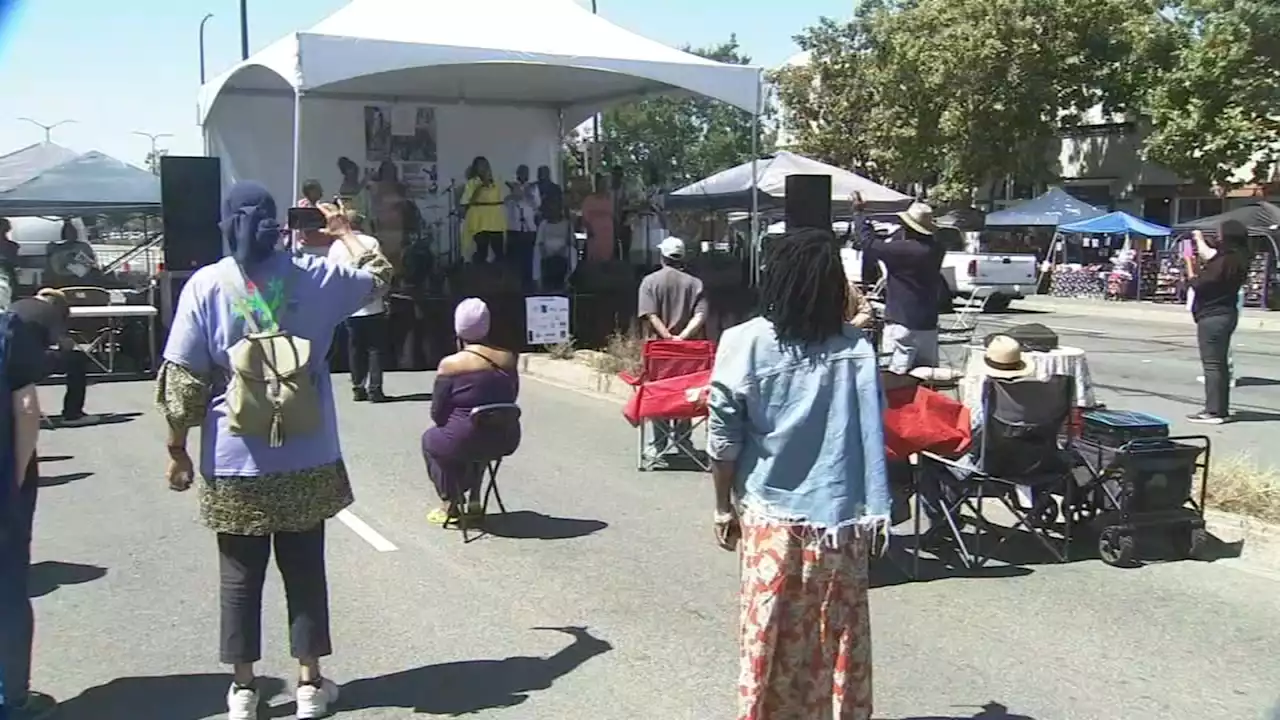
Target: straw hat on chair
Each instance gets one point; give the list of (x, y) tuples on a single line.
[(1003, 359)]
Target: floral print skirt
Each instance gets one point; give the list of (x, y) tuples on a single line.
[(806, 628)]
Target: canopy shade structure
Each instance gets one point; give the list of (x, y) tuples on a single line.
[(435, 51), (732, 188), (86, 184), (1051, 209), (20, 166), (1262, 218), (1116, 223)]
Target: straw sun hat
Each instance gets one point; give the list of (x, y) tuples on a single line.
[(919, 217), (1003, 359)]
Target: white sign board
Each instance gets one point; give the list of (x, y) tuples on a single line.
[(546, 319)]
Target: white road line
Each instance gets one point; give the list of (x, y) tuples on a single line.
[(368, 534)]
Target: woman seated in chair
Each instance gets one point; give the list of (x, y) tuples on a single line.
[(478, 374)]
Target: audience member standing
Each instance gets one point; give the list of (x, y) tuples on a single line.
[(367, 328), (913, 288), (22, 357), (554, 255), (1216, 280), (671, 306), (797, 446), (259, 489), (45, 316)]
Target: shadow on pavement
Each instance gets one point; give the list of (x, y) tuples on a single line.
[(414, 397), (54, 458), (50, 575), (182, 697), (891, 570), (529, 525), (102, 419), (471, 686), (990, 711), (56, 480), (1256, 382)]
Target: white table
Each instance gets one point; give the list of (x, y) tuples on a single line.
[(115, 315), (1064, 360)]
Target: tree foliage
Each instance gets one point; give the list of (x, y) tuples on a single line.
[(957, 93), (153, 160), (681, 140), (1215, 107)]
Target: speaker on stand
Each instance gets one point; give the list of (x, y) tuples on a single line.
[(808, 201), (191, 207)]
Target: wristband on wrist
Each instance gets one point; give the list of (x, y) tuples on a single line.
[(722, 518)]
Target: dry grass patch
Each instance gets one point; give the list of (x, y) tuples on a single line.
[(1238, 484), (620, 354), (566, 350)]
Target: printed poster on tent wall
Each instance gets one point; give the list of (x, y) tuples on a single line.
[(400, 133)]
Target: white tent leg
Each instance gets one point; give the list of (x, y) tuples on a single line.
[(297, 144), (753, 253)]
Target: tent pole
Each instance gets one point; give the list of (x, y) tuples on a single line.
[(297, 143), (753, 252)]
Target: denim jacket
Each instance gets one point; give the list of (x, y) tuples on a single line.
[(805, 426)]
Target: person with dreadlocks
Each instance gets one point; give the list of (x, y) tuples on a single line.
[(796, 440)]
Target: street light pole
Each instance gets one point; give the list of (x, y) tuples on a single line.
[(48, 129), (244, 29), (154, 138), (595, 119), (202, 23)]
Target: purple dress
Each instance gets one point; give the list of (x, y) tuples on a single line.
[(453, 443)]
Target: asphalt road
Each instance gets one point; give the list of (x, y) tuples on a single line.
[(126, 592), (1153, 366)]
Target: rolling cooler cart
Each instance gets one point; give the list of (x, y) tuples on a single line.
[(1140, 480)]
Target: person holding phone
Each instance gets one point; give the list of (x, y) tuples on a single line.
[(1215, 276), (796, 441)]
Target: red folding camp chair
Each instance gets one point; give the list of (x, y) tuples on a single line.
[(672, 389)]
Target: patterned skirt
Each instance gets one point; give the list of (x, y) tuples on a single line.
[(806, 628)]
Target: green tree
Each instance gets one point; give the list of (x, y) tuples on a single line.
[(682, 139), (1216, 107), (956, 93), (153, 160)]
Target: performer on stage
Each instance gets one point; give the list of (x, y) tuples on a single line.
[(554, 255), (486, 220), (311, 242), (354, 190), (522, 229), (598, 216), (548, 193), (392, 212)]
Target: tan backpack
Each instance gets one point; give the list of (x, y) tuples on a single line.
[(272, 392)]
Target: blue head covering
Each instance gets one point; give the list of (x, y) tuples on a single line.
[(249, 224)]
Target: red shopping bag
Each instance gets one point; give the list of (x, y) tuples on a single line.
[(918, 419), (675, 398)]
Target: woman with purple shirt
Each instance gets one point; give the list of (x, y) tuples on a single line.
[(254, 495)]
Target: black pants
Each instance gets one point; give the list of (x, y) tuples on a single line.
[(484, 241), (1213, 334), (555, 272), (17, 623), (74, 366), (243, 566), (366, 350), (520, 254)]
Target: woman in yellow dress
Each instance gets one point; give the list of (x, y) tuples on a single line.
[(485, 225)]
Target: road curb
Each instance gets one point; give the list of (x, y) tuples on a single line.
[(1255, 320), (1259, 542)]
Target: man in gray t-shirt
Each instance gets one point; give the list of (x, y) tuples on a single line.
[(671, 307)]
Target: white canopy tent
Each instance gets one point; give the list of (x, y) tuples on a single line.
[(505, 78)]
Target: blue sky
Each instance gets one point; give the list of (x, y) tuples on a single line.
[(117, 67)]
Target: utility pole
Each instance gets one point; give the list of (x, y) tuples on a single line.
[(244, 29), (48, 129), (154, 157), (595, 120), (202, 23)]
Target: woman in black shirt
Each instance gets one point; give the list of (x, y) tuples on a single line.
[(1215, 306)]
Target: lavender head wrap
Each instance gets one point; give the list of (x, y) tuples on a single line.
[(471, 320), (249, 224)]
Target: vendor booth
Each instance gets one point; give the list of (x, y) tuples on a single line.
[(389, 101), (1262, 219), (1121, 257)]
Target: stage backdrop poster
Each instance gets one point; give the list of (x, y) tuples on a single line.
[(400, 133), (546, 319)]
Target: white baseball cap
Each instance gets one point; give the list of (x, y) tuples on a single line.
[(672, 247)]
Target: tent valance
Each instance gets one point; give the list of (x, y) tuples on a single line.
[(732, 188), (1116, 223), (86, 184), (463, 52), (1262, 218), (1049, 210)]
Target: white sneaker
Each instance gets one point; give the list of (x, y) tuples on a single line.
[(313, 702), (242, 703)]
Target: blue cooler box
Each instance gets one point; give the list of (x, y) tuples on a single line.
[(1116, 428)]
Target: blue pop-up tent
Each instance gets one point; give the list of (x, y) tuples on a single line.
[(83, 185), (1116, 223), (1049, 210)]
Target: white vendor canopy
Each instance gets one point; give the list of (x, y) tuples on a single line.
[(504, 79)]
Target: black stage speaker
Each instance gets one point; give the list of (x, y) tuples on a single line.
[(808, 202), (191, 195)]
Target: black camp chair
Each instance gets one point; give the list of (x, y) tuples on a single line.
[(1021, 443), (498, 432)]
